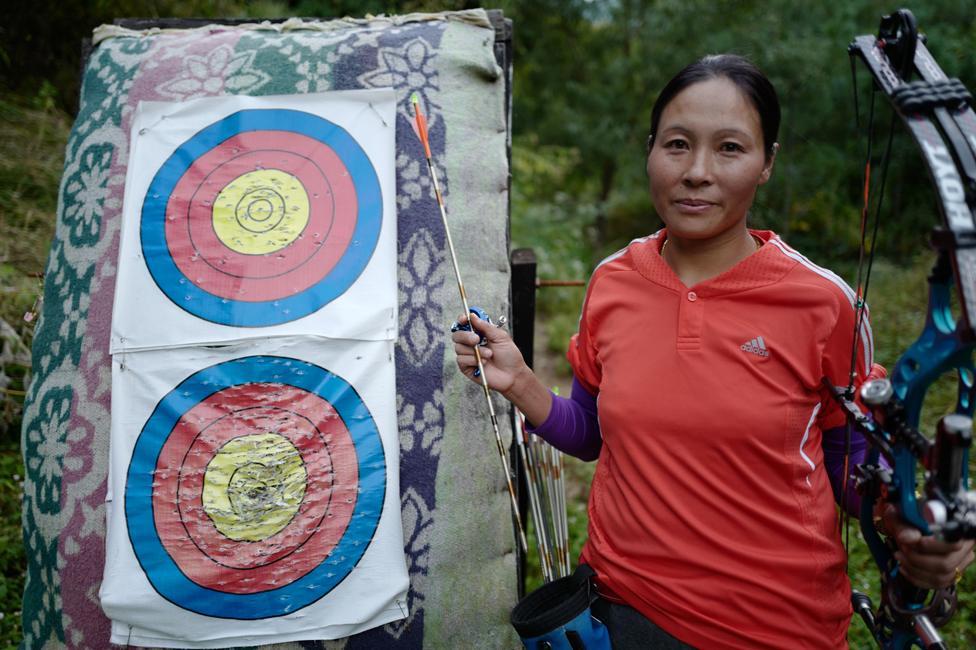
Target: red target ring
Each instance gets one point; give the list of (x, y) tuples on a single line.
[(200, 254), (200, 550), (200, 527)]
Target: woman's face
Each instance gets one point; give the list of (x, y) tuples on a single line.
[(707, 160)]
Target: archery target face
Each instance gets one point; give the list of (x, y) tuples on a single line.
[(254, 488), (261, 218)]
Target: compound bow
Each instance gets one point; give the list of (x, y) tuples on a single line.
[(938, 112)]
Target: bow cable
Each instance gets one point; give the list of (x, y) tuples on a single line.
[(863, 281)]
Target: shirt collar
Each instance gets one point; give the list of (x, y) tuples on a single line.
[(766, 266)]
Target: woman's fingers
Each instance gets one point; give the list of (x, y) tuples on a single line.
[(924, 560), (942, 575), (490, 331), (933, 564), (926, 580), (465, 355), (467, 351), (468, 339), (467, 367)]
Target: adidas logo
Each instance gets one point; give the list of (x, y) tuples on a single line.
[(756, 346)]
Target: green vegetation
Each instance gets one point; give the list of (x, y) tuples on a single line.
[(579, 192), (11, 546), (33, 134), (581, 123)]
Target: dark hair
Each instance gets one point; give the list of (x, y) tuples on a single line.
[(740, 71)]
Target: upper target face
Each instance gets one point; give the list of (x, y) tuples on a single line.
[(254, 488), (261, 218)]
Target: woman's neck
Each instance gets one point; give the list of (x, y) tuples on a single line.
[(695, 261)]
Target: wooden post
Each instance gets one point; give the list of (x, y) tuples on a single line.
[(523, 265), (523, 301)]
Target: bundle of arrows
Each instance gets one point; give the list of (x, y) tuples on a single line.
[(546, 488)]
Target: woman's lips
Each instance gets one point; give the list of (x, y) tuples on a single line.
[(693, 206)]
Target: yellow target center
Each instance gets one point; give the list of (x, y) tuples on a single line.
[(253, 486), (261, 212)]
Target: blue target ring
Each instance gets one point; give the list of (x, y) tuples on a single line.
[(160, 568), (184, 289)]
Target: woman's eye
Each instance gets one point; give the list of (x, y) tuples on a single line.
[(677, 143), (731, 147)]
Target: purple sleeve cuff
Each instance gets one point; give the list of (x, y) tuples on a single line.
[(572, 426), (834, 448)]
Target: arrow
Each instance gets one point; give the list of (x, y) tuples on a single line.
[(422, 134)]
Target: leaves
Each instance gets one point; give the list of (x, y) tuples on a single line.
[(598, 103)]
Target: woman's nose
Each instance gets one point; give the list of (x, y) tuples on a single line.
[(699, 170)]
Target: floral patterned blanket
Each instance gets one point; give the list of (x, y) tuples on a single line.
[(456, 519)]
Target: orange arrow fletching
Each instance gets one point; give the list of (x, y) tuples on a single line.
[(421, 124)]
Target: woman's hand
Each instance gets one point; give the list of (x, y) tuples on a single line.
[(925, 561), (505, 369), (501, 358)]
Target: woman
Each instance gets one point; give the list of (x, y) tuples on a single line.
[(699, 371)]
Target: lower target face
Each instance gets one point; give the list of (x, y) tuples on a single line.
[(261, 218), (254, 488)]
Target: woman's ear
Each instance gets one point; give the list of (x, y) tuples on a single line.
[(767, 171)]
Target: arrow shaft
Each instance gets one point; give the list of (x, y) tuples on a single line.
[(422, 132)]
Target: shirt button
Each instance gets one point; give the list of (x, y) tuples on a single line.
[(692, 296)]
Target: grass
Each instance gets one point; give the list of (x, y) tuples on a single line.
[(33, 134), (11, 546)]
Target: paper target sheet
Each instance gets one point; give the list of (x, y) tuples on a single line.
[(250, 217), (253, 494)]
